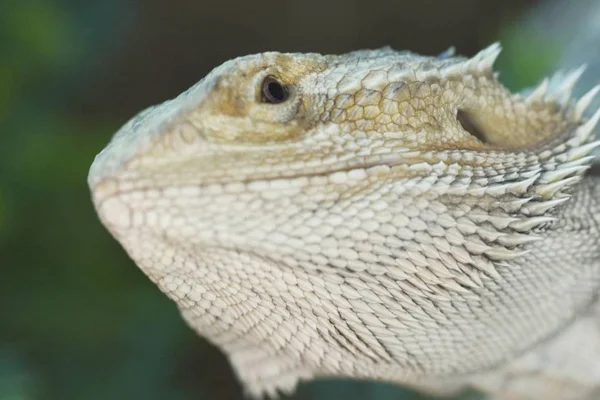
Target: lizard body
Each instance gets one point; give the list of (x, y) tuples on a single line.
[(374, 215)]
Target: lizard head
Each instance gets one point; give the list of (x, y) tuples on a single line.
[(362, 198), (274, 115)]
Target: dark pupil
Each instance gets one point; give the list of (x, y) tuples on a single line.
[(273, 91)]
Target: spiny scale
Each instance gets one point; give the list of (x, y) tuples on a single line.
[(539, 93), (561, 84), (585, 101), (481, 63)]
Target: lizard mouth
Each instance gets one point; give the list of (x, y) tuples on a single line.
[(110, 195), (335, 172)]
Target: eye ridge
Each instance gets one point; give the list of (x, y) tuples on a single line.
[(273, 91)]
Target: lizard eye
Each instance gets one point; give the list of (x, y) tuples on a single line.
[(273, 91)]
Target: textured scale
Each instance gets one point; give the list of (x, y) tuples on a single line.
[(398, 217)]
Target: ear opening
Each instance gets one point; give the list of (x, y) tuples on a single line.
[(469, 124)]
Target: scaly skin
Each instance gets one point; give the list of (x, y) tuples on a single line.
[(396, 217)]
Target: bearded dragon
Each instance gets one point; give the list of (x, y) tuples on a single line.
[(374, 215)]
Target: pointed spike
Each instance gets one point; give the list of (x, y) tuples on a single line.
[(476, 191), (478, 216), (475, 247), (513, 175), (488, 267), (465, 280), (542, 207), (449, 262), (573, 77), (582, 151), (475, 275), (462, 256), (486, 57), (585, 100), (517, 239), (534, 173), (489, 235), (561, 173), (587, 160), (519, 187), (538, 94), (501, 222), (497, 190), (563, 90), (585, 130), (550, 190), (512, 206), (525, 225), (503, 264), (449, 52)]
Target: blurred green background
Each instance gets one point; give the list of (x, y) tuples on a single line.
[(78, 320)]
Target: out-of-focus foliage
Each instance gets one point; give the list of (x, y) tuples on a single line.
[(520, 68), (77, 319)]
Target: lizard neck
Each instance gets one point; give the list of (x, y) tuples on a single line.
[(280, 323)]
